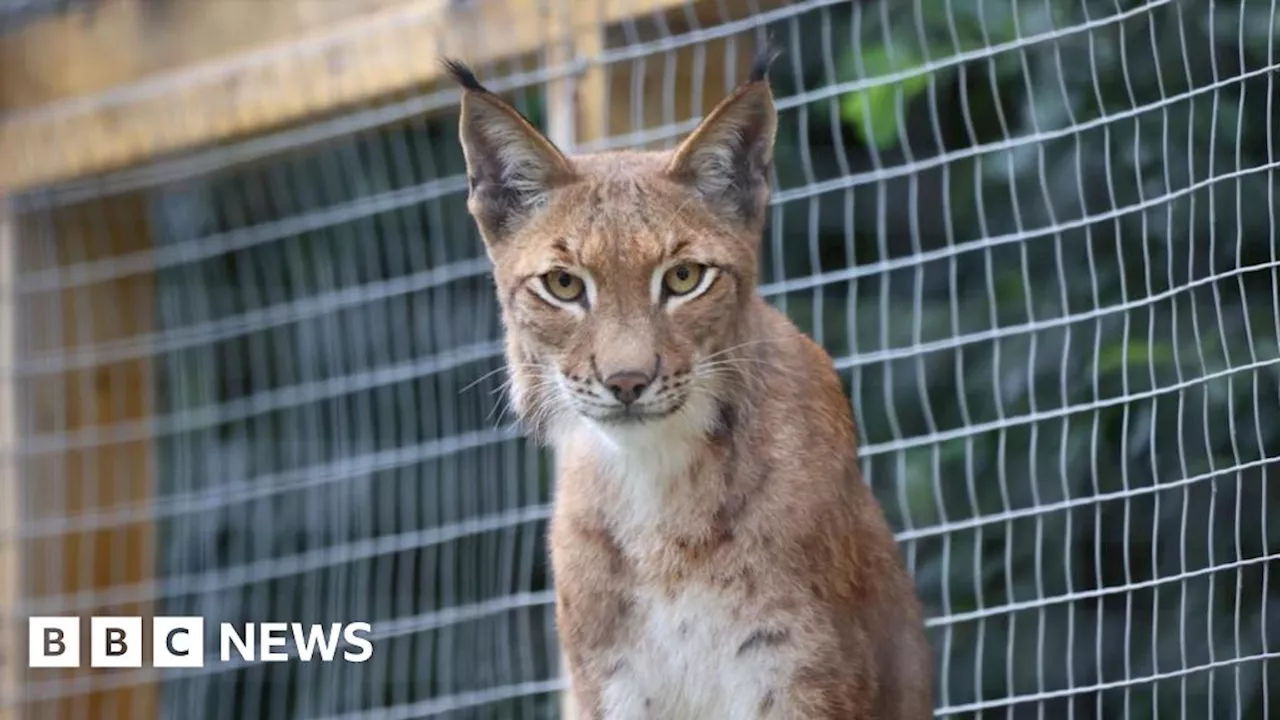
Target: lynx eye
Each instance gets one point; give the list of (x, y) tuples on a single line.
[(564, 286), (684, 278)]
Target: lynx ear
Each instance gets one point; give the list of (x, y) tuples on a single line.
[(728, 157), (511, 167)]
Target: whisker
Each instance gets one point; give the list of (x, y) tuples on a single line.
[(491, 373), (743, 363), (539, 384), (748, 343), (481, 379)]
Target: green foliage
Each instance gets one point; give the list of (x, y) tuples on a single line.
[(875, 110), (1073, 412)]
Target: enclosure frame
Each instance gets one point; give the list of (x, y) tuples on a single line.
[(11, 631)]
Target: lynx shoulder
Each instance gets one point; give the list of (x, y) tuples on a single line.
[(715, 550)]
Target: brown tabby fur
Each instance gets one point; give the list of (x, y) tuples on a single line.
[(716, 553)]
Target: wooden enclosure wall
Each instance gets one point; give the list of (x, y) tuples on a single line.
[(140, 79), (88, 388)]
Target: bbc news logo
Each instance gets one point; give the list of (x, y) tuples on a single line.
[(178, 642)]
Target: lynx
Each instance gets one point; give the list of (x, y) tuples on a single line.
[(716, 553)]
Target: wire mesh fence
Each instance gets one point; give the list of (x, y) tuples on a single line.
[(261, 381)]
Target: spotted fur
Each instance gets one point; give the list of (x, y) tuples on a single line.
[(715, 550)]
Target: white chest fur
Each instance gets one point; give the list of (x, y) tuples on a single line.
[(684, 657), (686, 663)]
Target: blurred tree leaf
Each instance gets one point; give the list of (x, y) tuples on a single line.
[(875, 112), (1113, 358)]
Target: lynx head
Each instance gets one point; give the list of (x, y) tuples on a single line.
[(625, 279)]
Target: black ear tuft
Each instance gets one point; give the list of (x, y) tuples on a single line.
[(511, 166), (462, 75), (728, 157), (763, 60)]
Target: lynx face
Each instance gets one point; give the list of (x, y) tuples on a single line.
[(623, 277), (616, 315)]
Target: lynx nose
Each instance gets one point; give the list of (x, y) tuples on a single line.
[(627, 386)]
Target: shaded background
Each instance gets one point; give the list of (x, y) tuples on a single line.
[(252, 373)]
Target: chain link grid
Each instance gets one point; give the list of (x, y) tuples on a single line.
[(1038, 239)]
